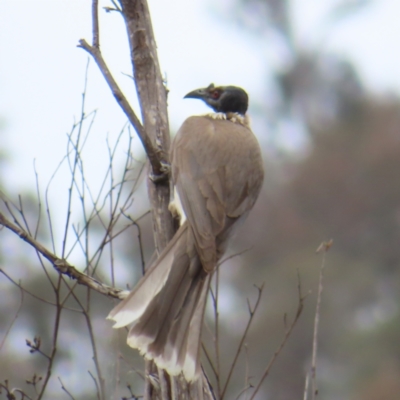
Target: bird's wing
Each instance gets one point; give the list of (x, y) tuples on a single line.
[(217, 169)]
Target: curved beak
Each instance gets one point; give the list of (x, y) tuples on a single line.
[(196, 94), (199, 93)]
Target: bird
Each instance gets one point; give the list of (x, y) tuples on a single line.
[(217, 172)]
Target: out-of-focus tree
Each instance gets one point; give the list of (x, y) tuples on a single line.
[(345, 187), (308, 85)]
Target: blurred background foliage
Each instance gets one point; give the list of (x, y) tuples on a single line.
[(341, 182)]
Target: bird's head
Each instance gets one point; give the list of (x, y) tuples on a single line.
[(225, 99)]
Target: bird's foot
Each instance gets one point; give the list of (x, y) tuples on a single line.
[(163, 175)]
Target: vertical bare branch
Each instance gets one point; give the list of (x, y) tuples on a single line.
[(324, 247), (86, 313), (300, 306), (56, 330), (153, 101), (252, 311), (95, 19), (305, 396), (74, 166)]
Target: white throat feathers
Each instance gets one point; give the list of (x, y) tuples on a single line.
[(236, 118)]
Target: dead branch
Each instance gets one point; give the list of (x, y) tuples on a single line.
[(324, 247), (124, 104), (300, 306), (62, 266), (252, 311), (65, 389), (56, 330)]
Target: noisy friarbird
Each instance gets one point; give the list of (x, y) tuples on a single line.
[(217, 171)]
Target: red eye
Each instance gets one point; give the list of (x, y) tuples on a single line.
[(215, 95)]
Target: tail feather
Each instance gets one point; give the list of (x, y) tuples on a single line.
[(139, 299), (167, 307)]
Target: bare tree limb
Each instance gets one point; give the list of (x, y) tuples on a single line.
[(153, 102), (61, 265), (95, 19), (95, 52)]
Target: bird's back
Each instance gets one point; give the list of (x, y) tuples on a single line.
[(218, 171)]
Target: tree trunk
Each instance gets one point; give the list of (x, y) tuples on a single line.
[(153, 100)]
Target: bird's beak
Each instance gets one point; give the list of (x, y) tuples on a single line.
[(200, 93), (196, 94)]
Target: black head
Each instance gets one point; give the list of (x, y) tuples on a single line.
[(222, 98)]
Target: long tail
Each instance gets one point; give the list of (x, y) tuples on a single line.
[(167, 308)]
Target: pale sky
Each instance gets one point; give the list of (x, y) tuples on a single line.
[(42, 70)]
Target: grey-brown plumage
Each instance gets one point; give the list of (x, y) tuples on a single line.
[(217, 172)]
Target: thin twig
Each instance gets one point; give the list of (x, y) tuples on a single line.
[(62, 266), (139, 235), (94, 348), (243, 391), (74, 166), (324, 247), (32, 294), (10, 393), (65, 389), (39, 201), (284, 340), (139, 373), (209, 358), (56, 330), (239, 253), (15, 317), (96, 384), (305, 397), (126, 107), (247, 383), (252, 312), (22, 213)]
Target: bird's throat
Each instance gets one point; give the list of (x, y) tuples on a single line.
[(231, 116)]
